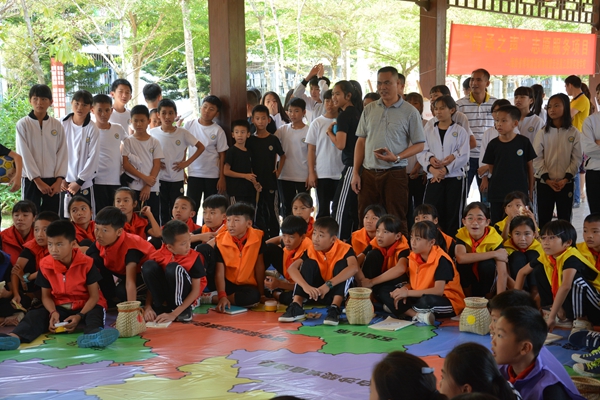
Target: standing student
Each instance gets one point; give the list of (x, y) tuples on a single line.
[(417, 177), (580, 104), (273, 102), (590, 144), (461, 119), (538, 105), (318, 86), (205, 174), (120, 91), (241, 182), (152, 95), (42, 143), (530, 123), (558, 150)]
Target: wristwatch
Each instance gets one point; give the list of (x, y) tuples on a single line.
[(398, 159), (329, 284), (81, 315), (26, 277)]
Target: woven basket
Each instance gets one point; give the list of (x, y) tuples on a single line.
[(359, 309), (475, 318), (588, 387), (130, 321)]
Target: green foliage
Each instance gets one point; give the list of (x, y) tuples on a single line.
[(85, 78)]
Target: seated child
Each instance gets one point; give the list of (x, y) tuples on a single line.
[(361, 239), (21, 231), (515, 204), (480, 257), (118, 253), (174, 275), (519, 336), (241, 182), (434, 284), (240, 269), (591, 234), (324, 273), (386, 261), (126, 201), (522, 248), (70, 293), (302, 206), (427, 212), (80, 211)]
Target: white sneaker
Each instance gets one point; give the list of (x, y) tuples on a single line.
[(206, 298), (581, 325), (425, 318)]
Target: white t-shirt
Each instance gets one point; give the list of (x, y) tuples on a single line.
[(328, 164), (174, 146), (214, 140), (110, 162), (293, 142), (123, 119), (146, 151)]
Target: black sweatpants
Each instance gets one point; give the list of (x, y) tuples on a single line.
[(547, 198), (448, 198), (169, 191), (416, 195), (518, 260), (496, 211), (6, 309), (346, 201), (311, 273), (198, 187), (287, 191), (273, 256), (37, 321), (372, 268), (153, 202), (487, 277), (244, 295), (440, 306), (267, 213), (104, 195), (208, 252), (325, 196), (592, 189), (43, 202), (169, 286)]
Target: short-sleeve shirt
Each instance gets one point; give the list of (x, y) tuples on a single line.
[(347, 121), (293, 143), (264, 152), (146, 151), (444, 271), (328, 163), (215, 141), (239, 161), (582, 104), (4, 151), (123, 119), (110, 162), (174, 146)]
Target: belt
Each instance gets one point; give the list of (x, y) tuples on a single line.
[(380, 171)]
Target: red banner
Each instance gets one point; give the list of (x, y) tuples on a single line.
[(58, 88), (505, 51)]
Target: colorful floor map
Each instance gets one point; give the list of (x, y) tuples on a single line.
[(244, 356)]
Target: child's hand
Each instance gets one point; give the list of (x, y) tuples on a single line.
[(313, 71), (330, 129), (258, 187), (73, 321), (311, 181), (55, 188), (205, 237), (277, 172), (501, 255), (222, 304), (483, 169), (42, 186), (448, 160), (435, 162), (312, 292), (15, 183), (484, 184), (165, 317), (16, 300), (366, 283), (146, 211), (178, 166), (271, 283), (64, 186), (163, 165), (149, 180), (149, 314), (73, 188), (145, 193), (250, 177), (54, 319), (598, 142)]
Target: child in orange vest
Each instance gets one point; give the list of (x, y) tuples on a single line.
[(428, 212), (361, 239)]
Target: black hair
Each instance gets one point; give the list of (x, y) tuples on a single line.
[(593, 217), (390, 222), (188, 199), (475, 396), (167, 103), (153, 111), (78, 199), (241, 208), (242, 123), (538, 98), (129, 190), (521, 220), (393, 70), (314, 81), (401, 375), (251, 98), (25, 206), (417, 97), (257, 93), (372, 96), (102, 99), (42, 91), (512, 111), (111, 216), (84, 96), (329, 224), (49, 216), (516, 195), (467, 83), (280, 109), (473, 364), (573, 80), (140, 109), (292, 224), (527, 325), (567, 121), (401, 78), (426, 209), (61, 227), (474, 205), (173, 228), (511, 298), (297, 102), (328, 94), (500, 103), (426, 230), (358, 92), (151, 92), (261, 109), (115, 85), (305, 198), (562, 229), (216, 201), (447, 100), (376, 209), (289, 96), (443, 89), (482, 71), (214, 100), (526, 91)]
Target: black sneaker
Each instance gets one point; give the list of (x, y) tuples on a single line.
[(294, 312), (333, 316), (585, 338), (186, 315)]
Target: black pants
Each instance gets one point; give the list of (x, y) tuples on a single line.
[(37, 321), (199, 187), (288, 190), (169, 192), (104, 195), (518, 260), (153, 202), (6, 309), (447, 197), (312, 275), (244, 295), (346, 201), (250, 199), (487, 276), (592, 188), (473, 167), (372, 268), (440, 306), (208, 252), (325, 196), (267, 213), (43, 202), (496, 211), (416, 195), (547, 198), (273, 256), (169, 286), (65, 198)]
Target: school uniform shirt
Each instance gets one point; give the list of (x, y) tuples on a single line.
[(192, 262), (441, 144), (239, 161), (510, 166), (146, 151), (264, 152), (314, 109), (558, 153), (174, 146), (534, 251), (347, 121), (82, 143), (110, 161), (289, 256), (582, 104), (215, 141), (328, 158), (138, 226), (126, 249), (570, 258), (121, 118), (393, 253), (327, 260), (240, 263), (12, 242), (360, 240), (458, 117), (438, 267), (279, 122), (479, 115), (32, 251), (83, 234), (44, 150), (590, 254), (293, 143), (490, 241), (488, 136), (589, 134), (69, 285), (530, 126)]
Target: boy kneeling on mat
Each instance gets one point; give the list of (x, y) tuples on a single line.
[(70, 293)]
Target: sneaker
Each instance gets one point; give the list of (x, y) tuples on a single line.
[(576, 205), (333, 316), (294, 312), (581, 325), (8, 342), (206, 298), (586, 358), (584, 338), (589, 369), (186, 315), (426, 318), (99, 339)]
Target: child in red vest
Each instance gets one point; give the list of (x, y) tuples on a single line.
[(361, 239), (80, 211), (21, 231), (126, 201)]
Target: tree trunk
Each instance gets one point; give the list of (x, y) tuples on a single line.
[(35, 57), (136, 63), (189, 57), (344, 51), (298, 25), (261, 29), (504, 86), (281, 48)]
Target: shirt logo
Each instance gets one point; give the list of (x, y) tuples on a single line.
[(571, 139), (455, 134), (303, 140), (116, 136), (178, 142), (54, 132), (530, 129), (88, 140), (85, 192), (520, 152), (181, 190), (152, 151), (270, 148), (213, 136)]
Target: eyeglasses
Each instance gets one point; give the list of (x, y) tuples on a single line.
[(476, 219), (551, 237)]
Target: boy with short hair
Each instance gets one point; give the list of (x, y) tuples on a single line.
[(174, 275), (530, 123), (241, 182), (82, 142), (110, 162), (42, 143), (152, 95), (148, 151), (183, 210), (205, 174), (174, 142), (590, 247), (121, 91), (324, 275), (318, 85), (13, 238), (70, 293), (264, 149)]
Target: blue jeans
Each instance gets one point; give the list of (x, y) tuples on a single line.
[(576, 190)]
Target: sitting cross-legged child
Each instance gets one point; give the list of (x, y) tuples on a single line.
[(361, 239), (13, 238), (523, 249)]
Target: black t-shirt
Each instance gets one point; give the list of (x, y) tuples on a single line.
[(92, 276), (347, 121), (197, 271), (241, 162), (510, 166), (444, 271), (271, 127), (263, 152), (4, 151)]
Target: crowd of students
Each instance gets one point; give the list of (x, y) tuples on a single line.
[(119, 175)]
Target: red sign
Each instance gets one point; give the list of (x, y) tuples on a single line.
[(504, 51), (58, 88)]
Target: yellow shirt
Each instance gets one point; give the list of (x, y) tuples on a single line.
[(581, 103)]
